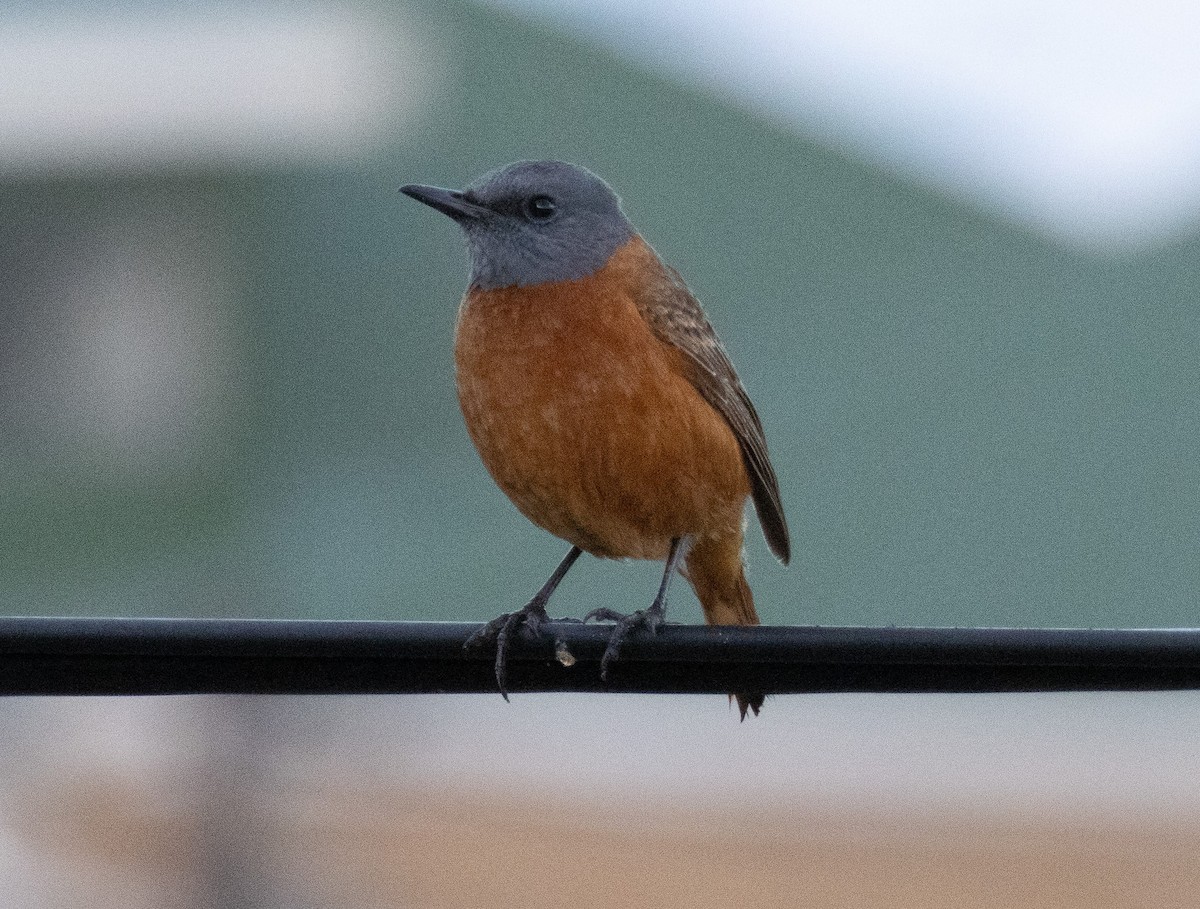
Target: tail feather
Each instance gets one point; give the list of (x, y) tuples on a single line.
[(714, 568), (747, 702)]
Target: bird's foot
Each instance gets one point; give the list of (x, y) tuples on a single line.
[(500, 631), (650, 619)]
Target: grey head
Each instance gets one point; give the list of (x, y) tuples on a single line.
[(533, 221)]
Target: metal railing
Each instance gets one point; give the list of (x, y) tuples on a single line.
[(96, 656)]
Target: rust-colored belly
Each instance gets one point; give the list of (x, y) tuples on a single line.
[(585, 420)]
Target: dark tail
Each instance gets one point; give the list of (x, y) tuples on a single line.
[(747, 702), (714, 568)]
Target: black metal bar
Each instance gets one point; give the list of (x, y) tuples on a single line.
[(70, 656)]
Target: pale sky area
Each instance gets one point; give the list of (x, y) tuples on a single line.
[(1079, 118)]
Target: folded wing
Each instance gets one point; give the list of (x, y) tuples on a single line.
[(677, 319)]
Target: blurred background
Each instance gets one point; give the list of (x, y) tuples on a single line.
[(953, 250)]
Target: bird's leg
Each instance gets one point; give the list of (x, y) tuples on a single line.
[(650, 618), (501, 628)]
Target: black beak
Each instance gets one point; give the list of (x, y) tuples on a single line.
[(448, 201)]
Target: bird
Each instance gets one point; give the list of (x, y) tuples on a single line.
[(601, 400)]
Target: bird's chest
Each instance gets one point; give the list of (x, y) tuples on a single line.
[(586, 420), (543, 376), (567, 397)]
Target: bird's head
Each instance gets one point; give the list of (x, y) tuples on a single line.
[(532, 222)]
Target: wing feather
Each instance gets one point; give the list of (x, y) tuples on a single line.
[(677, 319)]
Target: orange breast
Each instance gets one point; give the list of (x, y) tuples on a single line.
[(585, 419)]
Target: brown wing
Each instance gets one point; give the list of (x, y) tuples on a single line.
[(676, 318)]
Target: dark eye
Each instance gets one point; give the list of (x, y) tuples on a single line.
[(540, 208)]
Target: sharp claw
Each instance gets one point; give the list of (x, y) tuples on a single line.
[(500, 631), (487, 633), (650, 619), (502, 653)]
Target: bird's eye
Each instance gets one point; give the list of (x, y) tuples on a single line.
[(540, 208)]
